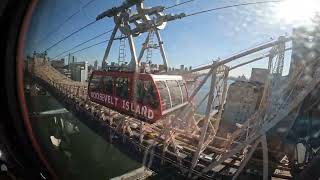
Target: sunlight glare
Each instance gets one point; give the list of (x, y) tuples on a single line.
[(297, 11)]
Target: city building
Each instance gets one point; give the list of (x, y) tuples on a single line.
[(243, 98), (154, 67), (161, 67), (79, 71), (242, 78), (242, 101), (61, 67), (181, 67), (259, 75), (57, 64), (95, 66), (71, 60)]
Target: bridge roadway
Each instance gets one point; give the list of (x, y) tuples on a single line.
[(136, 138)]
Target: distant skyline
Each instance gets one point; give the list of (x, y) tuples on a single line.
[(191, 41)]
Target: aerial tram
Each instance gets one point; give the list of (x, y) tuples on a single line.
[(127, 89), (144, 96)]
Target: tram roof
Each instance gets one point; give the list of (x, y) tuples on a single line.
[(156, 77), (165, 77)]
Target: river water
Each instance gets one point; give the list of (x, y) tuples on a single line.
[(78, 152)]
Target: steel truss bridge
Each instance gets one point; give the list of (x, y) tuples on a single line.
[(186, 139)]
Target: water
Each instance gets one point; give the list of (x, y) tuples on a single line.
[(79, 153)]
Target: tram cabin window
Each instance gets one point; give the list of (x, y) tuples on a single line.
[(139, 91), (150, 97), (94, 84), (122, 87), (101, 87), (175, 92), (184, 91), (108, 83), (164, 94), (146, 93)]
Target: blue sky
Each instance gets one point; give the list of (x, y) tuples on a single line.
[(191, 41)]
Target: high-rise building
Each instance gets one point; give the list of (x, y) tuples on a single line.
[(95, 66), (79, 71), (181, 67), (71, 59)]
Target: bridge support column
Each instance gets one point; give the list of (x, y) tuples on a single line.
[(224, 94), (205, 121), (265, 156)]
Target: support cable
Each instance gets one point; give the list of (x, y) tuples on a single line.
[(88, 47), (185, 2), (65, 21), (95, 37), (63, 39), (230, 6), (96, 44)]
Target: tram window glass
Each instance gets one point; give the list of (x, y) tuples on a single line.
[(108, 82), (94, 84), (101, 85), (164, 94), (184, 91), (150, 95), (146, 94), (139, 91), (175, 92), (122, 87)]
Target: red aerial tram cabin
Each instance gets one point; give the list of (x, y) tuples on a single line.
[(145, 96)]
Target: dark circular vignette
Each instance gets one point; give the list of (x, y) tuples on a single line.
[(24, 155)]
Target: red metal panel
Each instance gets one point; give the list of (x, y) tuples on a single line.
[(128, 107)]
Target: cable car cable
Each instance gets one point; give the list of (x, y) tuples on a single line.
[(90, 46), (94, 45), (185, 2), (230, 6), (65, 21), (63, 39), (95, 37)]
